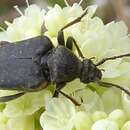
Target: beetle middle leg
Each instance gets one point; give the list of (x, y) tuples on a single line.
[(70, 98), (67, 96), (69, 44), (58, 90), (59, 86)]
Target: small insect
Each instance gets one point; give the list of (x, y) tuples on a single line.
[(31, 65)]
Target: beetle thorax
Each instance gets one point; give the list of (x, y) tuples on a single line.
[(63, 65), (89, 72)]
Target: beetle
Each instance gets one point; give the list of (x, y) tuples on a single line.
[(31, 65)]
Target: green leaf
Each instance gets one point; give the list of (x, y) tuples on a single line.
[(59, 2)]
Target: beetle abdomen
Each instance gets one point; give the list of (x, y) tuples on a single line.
[(18, 71)]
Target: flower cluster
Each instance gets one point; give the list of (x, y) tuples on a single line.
[(100, 109), (62, 114)]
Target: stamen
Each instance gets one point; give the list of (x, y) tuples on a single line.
[(27, 2), (80, 2), (7, 23), (67, 4), (2, 29), (18, 10)]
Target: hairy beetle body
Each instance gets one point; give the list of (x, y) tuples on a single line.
[(32, 64)]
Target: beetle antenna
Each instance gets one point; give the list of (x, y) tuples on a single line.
[(11, 97), (77, 20), (112, 58), (108, 85)]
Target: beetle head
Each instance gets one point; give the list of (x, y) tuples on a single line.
[(89, 72)]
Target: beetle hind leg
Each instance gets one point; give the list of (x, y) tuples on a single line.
[(11, 97)]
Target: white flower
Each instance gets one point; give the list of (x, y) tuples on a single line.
[(26, 26), (95, 40), (111, 99), (105, 124), (126, 126), (118, 116), (58, 115), (98, 115), (27, 104), (83, 121), (126, 103)]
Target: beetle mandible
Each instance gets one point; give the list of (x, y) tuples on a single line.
[(32, 64)]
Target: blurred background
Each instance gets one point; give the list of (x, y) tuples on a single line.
[(108, 10)]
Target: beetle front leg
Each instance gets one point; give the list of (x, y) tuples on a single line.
[(69, 45), (77, 20), (60, 38)]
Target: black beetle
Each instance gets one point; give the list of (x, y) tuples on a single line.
[(30, 65)]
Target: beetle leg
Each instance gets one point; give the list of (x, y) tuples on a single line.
[(11, 97), (59, 86), (58, 90), (69, 44), (70, 98), (77, 20), (60, 38)]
